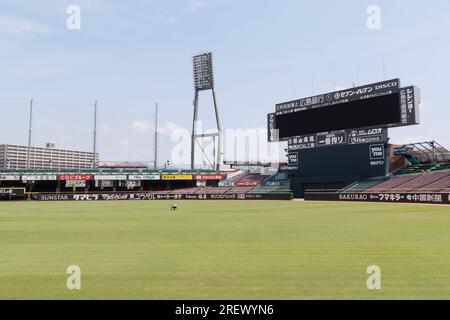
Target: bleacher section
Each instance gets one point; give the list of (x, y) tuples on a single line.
[(184, 190), (442, 166), (160, 181), (252, 179), (271, 189), (418, 168), (421, 168), (392, 183), (439, 185), (214, 190), (238, 184), (366, 184), (238, 177), (433, 181), (240, 189), (422, 181)]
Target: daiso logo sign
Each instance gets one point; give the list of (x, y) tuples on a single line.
[(376, 152)]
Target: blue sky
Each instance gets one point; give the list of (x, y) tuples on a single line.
[(129, 54)]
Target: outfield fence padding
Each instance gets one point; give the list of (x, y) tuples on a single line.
[(387, 197), (158, 196)]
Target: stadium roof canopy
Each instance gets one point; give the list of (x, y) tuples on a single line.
[(427, 152)]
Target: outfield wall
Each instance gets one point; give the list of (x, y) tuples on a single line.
[(426, 198), (12, 194), (158, 196)]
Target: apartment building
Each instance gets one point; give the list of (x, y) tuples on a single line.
[(48, 157)]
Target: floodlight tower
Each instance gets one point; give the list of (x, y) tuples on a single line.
[(203, 81)]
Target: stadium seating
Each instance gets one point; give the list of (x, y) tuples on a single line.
[(211, 190), (186, 190), (432, 181), (238, 177), (253, 178), (240, 190), (419, 168), (422, 181), (366, 184), (271, 189), (442, 166), (439, 185), (392, 183)]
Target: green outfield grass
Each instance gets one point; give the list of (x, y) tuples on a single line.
[(223, 250)]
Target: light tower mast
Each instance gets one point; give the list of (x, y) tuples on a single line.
[(203, 81)]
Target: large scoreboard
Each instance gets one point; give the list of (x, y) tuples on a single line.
[(338, 138), (353, 116)]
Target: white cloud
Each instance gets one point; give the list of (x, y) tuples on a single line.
[(192, 7), (42, 71), (20, 25), (197, 5), (142, 126), (146, 127), (7, 46), (124, 142), (171, 20), (169, 128), (105, 129)]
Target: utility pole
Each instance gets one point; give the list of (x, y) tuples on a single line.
[(156, 137), (214, 152), (194, 129), (357, 76), (219, 134), (94, 156), (30, 128), (433, 144), (334, 76)]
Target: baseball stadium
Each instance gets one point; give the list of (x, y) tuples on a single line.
[(304, 228)]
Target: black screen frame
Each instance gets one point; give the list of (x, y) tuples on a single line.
[(381, 111)]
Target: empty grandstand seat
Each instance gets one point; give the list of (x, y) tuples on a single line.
[(238, 177), (393, 182), (366, 184), (422, 181), (240, 190), (253, 178), (271, 189), (213, 190), (185, 190), (438, 185)]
